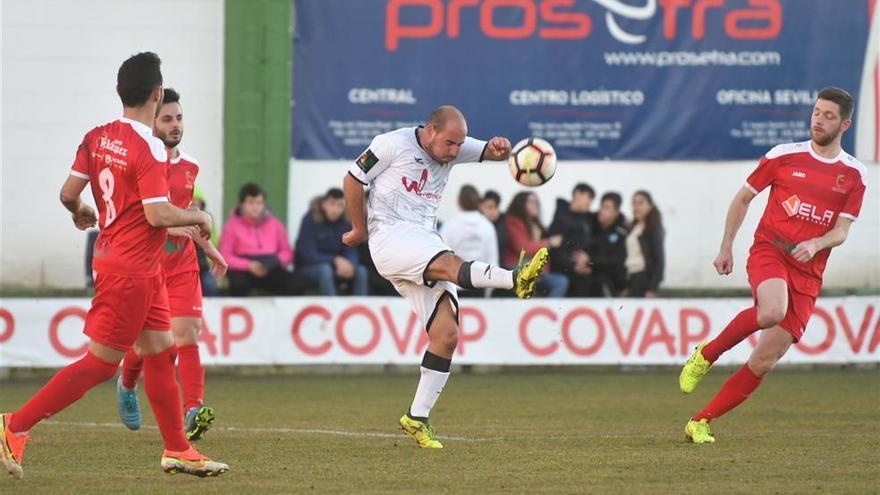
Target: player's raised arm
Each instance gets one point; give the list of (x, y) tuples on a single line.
[(84, 215), (354, 203), (735, 215)]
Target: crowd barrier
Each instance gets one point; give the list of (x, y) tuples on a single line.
[(376, 330)]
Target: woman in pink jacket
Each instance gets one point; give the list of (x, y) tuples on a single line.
[(256, 247)]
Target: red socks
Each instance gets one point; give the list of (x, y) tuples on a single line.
[(739, 328), (189, 365), (192, 376), (735, 390), (132, 365), (66, 387), (162, 391)]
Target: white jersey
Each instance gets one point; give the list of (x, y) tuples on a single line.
[(406, 184)]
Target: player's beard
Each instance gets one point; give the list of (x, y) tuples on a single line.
[(825, 139), (169, 141)]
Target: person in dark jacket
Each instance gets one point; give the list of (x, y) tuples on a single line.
[(574, 222), (645, 258), (490, 207), (322, 260), (608, 248)]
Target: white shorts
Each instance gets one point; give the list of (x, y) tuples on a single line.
[(402, 255)]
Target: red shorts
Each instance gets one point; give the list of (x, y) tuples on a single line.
[(767, 261), (185, 294), (124, 306)]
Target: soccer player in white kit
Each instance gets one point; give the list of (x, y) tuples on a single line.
[(407, 170)]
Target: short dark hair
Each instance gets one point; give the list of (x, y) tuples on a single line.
[(843, 99), (583, 187), (138, 77), (250, 190), (468, 198), (492, 196), (614, 197), (171, 96), (334, 193)]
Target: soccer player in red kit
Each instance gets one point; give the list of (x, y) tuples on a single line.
[(816, 192), (127, 168), (181, 267)]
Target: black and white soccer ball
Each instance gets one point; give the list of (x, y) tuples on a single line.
[(532, 162)]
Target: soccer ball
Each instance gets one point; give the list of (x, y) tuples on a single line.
[(532, 162)]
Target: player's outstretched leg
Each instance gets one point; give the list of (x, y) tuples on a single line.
[(772, 303), (773, 345), (479, 275), (66, 387), (126, 391), (434, 374)]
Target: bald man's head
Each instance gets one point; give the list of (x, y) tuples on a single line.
[(445, 115), (444, 133)]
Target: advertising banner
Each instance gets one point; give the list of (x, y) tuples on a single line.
[(618, 79), (376, 330)]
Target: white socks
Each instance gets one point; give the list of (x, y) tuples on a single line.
[(430, 386), (486, 276)]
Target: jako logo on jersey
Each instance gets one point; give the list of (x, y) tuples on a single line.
[(798, 173), (562, 20), (795, 207), (414, 186)]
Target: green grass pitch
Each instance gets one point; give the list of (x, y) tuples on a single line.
[(519, 431)]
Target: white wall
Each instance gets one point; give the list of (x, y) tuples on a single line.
[(59, 64), (692, 196)]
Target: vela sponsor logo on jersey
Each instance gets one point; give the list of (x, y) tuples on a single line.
[(417, 187), (806, 211)]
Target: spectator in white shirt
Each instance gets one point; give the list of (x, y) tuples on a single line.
[(468, 232)]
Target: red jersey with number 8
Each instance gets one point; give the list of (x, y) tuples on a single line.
[(180, 252), (128, 168), (808, 193)]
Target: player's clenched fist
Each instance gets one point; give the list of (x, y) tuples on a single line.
[(353, 237), (85, 217), (498, 148), (724, 262), (805, 251)]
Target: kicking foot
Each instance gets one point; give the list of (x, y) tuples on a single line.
[(526, 274)]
